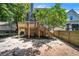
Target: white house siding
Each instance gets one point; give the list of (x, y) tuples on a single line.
[(74, 21), (72, 13), (5, 26)]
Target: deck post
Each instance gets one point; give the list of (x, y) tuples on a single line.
[(28, 27), (39, 33), (39, 30)]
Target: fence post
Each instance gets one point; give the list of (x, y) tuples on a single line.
[(68, 35)]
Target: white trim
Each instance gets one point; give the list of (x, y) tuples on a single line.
[(73, 22)]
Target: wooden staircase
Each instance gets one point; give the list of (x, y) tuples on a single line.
[(33, 27)]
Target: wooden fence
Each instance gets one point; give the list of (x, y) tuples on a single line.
[(69, 36)]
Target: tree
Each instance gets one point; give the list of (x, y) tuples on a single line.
[(57, 16), (53, 17), (40, 15), (13, 12), (5, 13), (20, 11)]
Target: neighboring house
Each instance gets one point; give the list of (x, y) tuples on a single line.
[(73, 20), (5, 26)]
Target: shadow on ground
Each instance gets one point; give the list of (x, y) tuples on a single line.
[(69, 44), (2, 38), (38, 42), (20, 52)]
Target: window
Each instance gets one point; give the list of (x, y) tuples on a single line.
[(75, 26), (71, 17)]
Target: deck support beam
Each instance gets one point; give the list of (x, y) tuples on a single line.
[(28, 27)]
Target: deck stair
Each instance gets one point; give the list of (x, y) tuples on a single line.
[(33, 27)]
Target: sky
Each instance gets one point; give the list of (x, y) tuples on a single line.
[(67, 6)]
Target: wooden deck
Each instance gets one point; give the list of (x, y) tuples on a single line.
[(33, 27)]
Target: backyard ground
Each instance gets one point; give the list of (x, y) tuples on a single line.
[(12, 46)]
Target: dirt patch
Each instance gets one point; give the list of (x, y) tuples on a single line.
[(12, 46)]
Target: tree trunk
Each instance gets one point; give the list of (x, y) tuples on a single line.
[(16, 27)]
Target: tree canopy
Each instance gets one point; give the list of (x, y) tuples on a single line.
[(13, 12), (54, 16)]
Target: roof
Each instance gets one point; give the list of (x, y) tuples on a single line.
[(74, 10), (3, 23)]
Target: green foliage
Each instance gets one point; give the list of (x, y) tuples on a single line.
[(54, 16), (13, 12), (5, 13), (58, 16), (41, 15)]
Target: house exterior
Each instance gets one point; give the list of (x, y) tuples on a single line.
[(4, 26), (73, 20)]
